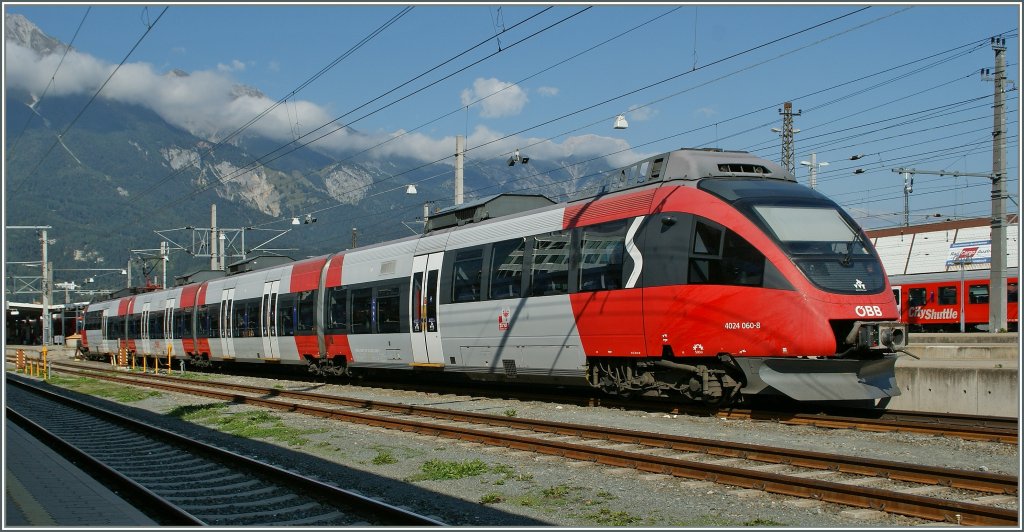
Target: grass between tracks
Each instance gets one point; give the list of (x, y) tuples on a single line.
[(117, 392), (247, 424)]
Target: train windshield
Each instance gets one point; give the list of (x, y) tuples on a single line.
[(823, 244)]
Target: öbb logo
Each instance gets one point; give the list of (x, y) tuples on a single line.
[(868, 311)]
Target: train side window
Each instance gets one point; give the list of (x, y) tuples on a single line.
[(917, 297), (601, 256), (947, 295), (286, 315), (977, 293), (507, 268), (306, 320), (550, 265), (1011, 292), (202, 323), (215, 331), (362, 310), (466, 275), (337, 310), (243, 320), (388, 309), (134, 326), (183, 323)]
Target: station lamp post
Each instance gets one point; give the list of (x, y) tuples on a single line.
[(813, 166)]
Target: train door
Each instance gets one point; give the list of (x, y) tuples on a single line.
[(897, 292), (168, 324), (268, 319), (144, 334), (227, 300), (425, 328), (101, 343)]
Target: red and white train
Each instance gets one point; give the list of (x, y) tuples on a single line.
[(943, 302), (704, 274)]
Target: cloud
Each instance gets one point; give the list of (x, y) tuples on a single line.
[(706, 112), (642, 114), (547, 91), (495, 98), (208, 105), (235, 66)]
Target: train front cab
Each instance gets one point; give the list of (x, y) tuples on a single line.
[(842, 326)]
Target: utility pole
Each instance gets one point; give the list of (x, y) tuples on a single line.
[(45, 281), (908, 187), (46, 293), (164, 257), (460, 154), (997, 288), (353, 238), (997, 278), (813, 165), (214, 263), (787, 135)]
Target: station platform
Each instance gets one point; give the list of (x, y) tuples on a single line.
[(960, 373), (43, 489)]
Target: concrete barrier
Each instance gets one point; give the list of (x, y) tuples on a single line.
[(986, 388)]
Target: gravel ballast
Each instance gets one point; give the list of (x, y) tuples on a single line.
[(503, 487)]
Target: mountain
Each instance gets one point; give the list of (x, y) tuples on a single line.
[(121, 172)]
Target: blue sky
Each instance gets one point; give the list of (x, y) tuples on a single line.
[(863, 83)]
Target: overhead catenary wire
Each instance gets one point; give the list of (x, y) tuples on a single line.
[(421, 167), (354, 48), (737, 54), (591, 106), (260, 160)]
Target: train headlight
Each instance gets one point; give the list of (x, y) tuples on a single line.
[(878, 335)]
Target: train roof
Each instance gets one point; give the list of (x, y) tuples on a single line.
[(486, 208), (693, 165)]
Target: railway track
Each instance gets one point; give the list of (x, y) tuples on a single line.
[(186, 482), (977, 428), (968, 497)]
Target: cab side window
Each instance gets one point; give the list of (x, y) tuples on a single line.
[(720, 256)]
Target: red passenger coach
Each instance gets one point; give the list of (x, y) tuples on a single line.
[(942, 302), (705, 275)]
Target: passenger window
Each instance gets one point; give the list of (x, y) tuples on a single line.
[(602, 248), (388, 310), (362, 310), (507, 268), (977, 293), (337, 310), (550, 267), (947, 295), (306, 303), (1011, 292), (287, 315), (466, 275), (917, 297)]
